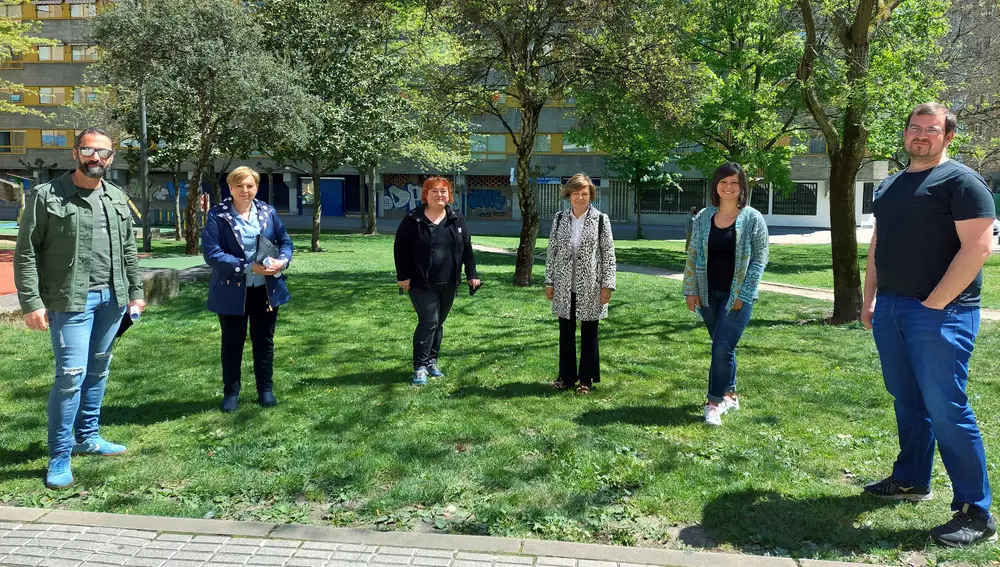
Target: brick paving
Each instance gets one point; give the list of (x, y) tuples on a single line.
[(53, 545)]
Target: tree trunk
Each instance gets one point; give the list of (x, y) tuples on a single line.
[(526, 195), (194, 202), (844, 240), (216, 188), (176, 171), (270, 186), (317, 204), (372, 205), (637, 191)]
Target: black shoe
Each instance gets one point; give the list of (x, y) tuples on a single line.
[(893, 489), (230, 403), (963, 530), (266, 399)]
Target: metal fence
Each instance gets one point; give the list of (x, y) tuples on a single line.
[(614, 201)]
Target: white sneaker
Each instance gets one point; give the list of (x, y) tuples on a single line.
[(730, 403), (713, 415)]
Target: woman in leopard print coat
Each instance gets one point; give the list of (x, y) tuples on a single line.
[(579, 278)]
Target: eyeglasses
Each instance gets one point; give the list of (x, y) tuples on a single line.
[(103, 153), (930, 130)]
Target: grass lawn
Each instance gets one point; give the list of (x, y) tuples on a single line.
[(491, 448), (807, 265)]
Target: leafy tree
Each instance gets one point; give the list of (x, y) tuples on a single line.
[(208, 56), (860, 75), (536, 51), (751, 49), (610, 120), (15, 39)]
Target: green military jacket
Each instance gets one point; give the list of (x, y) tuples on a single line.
[(53, 252)]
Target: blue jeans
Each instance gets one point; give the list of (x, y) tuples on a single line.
[(725, 328), (925, 364), (81, 342)]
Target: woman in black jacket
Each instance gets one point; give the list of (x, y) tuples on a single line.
[(432, 244)]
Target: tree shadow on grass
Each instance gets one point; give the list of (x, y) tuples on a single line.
[(150, 413), (751, 519), (10, 457), (642, 415)]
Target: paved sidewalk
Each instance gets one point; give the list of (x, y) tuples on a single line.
[(43, 538)]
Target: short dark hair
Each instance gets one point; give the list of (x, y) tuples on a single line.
[(724, 171), (90, 132), (933, 108)]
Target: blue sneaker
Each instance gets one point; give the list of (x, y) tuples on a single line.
[(434, 371), (59, 475), (96, 445), (420, 376)]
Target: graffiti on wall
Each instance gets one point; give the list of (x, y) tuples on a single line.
[(489, 203), (401, 200)]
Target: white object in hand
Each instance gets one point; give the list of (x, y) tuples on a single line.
[(133, 313), (268, 262)]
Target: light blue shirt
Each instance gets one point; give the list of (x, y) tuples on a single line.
[(248, 231)]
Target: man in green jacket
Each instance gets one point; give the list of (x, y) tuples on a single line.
[(76, 272)]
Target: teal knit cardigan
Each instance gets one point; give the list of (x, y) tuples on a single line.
[(751, 256)]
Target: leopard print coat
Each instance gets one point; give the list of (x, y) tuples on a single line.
[(594, 263)]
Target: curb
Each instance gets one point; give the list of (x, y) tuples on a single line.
[(594, 554)]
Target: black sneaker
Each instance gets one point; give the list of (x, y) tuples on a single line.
[(892, 489), (963, 530)]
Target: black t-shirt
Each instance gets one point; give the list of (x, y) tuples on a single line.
[(915, 216), (442, 254), (721, 257)]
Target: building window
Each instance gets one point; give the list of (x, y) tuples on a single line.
[(12, 141), (10, 60), (867, 197), (760, 197), (83, 95), (801, 202), (48, 11), (571, 148), (50, 52), (85, 10), (12, 12), (84, 53), (54, 138), (814, 146), (670, 200), (543, 143), (488, 147), (52, 95)]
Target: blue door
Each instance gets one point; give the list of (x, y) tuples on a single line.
[(331, 194)]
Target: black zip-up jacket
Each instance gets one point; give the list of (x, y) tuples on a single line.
[(412, 248)]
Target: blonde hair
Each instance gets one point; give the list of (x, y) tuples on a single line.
[(577, 182), (237, 175)]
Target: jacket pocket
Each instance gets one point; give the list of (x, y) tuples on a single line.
[(63, 228)]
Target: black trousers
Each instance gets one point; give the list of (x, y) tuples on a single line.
[(432, 307), (590, 356), (234, 335)]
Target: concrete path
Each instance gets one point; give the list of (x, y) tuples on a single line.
[(788, 289), (54, 538)]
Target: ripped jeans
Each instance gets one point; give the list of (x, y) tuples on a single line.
[(81, 342)]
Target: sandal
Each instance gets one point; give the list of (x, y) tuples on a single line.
[(560, 386), (581, 389)]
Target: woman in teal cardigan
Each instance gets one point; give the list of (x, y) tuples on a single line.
[(725, 262)]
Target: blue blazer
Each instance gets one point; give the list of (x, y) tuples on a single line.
[(223, 251)]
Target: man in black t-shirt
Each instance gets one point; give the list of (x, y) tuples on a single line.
[(933, 230)]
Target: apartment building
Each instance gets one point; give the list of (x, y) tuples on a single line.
[(37, 149)]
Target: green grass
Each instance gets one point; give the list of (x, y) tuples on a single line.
[(808, 265), (492, 449)]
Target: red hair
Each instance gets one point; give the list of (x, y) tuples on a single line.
[(434, 181)]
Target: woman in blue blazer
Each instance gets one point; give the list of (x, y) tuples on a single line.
[(242, 290)]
